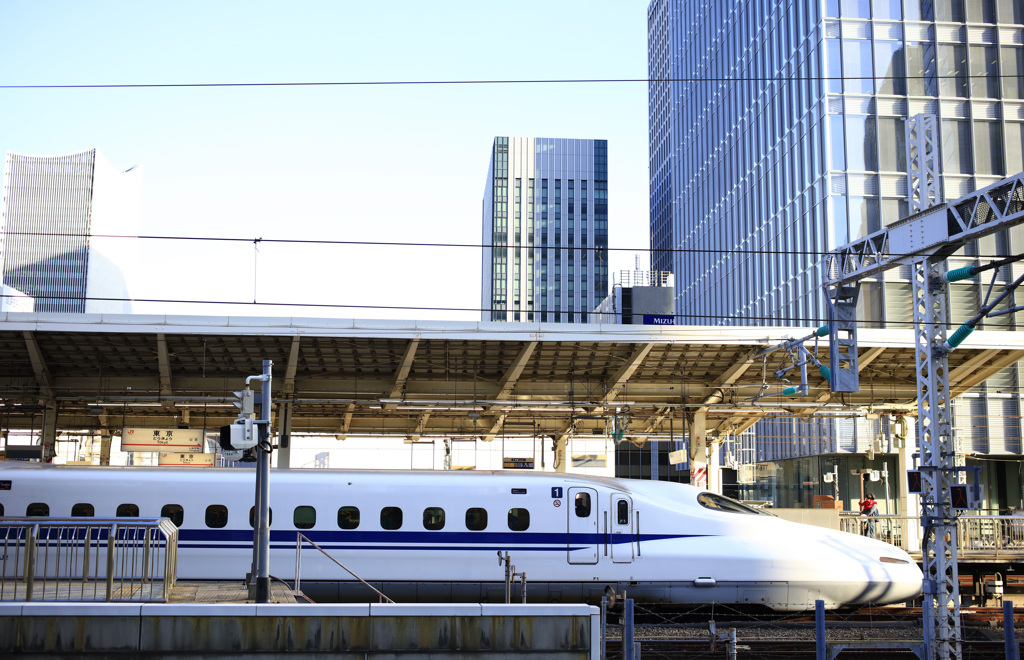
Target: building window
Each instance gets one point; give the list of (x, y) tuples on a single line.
[(988, 147)]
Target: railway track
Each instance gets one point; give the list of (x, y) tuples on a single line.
[(675, 632), (788, 650)]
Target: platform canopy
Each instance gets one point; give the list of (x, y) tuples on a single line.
[(420, 379)]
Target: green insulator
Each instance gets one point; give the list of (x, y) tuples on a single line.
[(822, 331), (959, 274), (790, 391), (825, 372), (961, 334)]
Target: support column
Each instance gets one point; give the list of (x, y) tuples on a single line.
[(48, 431), (562, 457), (105, 441), (698, 450), (941, 609), (284, 435)]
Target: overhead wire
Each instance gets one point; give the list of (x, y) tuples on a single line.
[(508, 81), (477, 246)]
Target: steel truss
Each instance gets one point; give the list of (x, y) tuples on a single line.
[(923, 242)]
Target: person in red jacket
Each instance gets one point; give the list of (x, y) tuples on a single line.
[(869, 510)]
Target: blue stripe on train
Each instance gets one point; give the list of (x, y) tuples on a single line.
[(389, 538)]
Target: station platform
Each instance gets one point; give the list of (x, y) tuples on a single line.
[(225, 592)]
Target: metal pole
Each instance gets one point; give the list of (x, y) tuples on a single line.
[(628, 634), (820, 647), (1012, 649), (263, 486), (604, 626)]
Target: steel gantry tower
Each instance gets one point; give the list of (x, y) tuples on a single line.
[(923, 242)]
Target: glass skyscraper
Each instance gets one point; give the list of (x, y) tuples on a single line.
[(60, 216), (778, 132), (545, 230)]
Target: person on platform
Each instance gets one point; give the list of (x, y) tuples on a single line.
[(869, 511)]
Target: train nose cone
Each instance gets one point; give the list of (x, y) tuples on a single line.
[(889, 574)]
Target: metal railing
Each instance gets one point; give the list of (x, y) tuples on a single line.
[(298, 567), (978, 536), (87, 559)]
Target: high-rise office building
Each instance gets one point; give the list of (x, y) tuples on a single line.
[(545, 230), (778, 132), (59, 216)]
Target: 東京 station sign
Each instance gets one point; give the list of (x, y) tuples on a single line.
[(162, 440)]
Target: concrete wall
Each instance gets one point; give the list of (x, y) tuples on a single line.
[(71, 630)]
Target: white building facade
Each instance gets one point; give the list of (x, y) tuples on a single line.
[(545, 230), (61, 215)]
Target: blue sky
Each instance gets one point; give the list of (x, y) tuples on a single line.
[(395, 163)]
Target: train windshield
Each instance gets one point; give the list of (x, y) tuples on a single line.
[(720, 503)]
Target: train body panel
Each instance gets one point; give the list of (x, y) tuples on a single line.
[(437, 535)]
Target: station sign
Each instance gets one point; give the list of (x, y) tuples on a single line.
[(176, 459), (659, 319), (510, 463), (156, 440)]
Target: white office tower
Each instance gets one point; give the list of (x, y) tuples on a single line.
[(60, 216), (545, 230)]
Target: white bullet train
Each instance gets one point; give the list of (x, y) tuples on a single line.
[(435, 536)]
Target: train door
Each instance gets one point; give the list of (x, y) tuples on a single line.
[(582, 523), (622, 528)]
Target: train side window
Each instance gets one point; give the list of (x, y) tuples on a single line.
[(216, 516), (175, 512), (348, 517), (83, 510), (304, 517), (476, 519), (252, 516), (582, 505), (433, 518), (1, 509), (390, 517), (37, 509), (127, 510), (518, 519), (622, 512)]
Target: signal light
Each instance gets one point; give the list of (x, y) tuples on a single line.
[(958, 497), (914, 481), (238, 436), (246, 402)]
